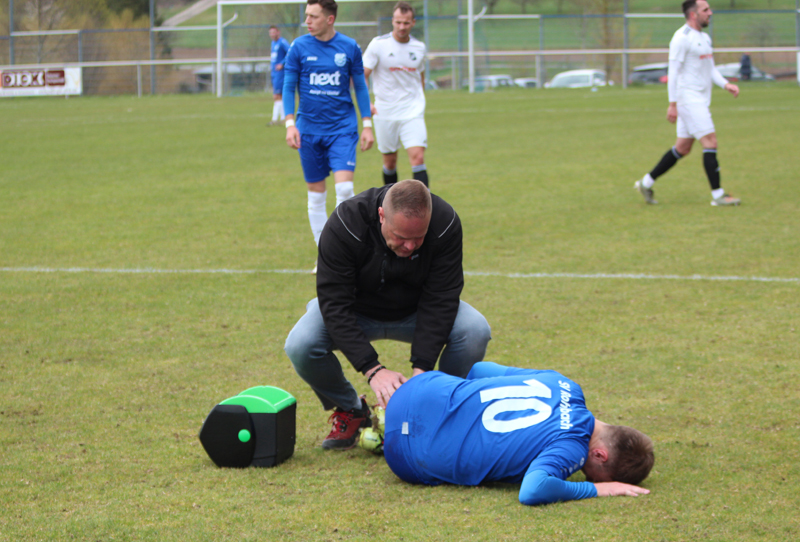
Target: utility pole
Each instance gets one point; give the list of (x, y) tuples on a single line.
[(152, 46), (10, 31)]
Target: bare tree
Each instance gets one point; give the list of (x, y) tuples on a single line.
[(609, 34), (491, 4), (525, 3)]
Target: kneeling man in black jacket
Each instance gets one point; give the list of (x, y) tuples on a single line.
[(389, 267)]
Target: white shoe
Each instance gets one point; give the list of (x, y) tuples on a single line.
[(647, 193), (725, 200)]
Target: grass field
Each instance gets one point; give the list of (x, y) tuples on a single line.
[(117, 336)]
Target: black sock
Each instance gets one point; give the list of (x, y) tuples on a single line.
[(667, 161), (389, 177), (712, 167), (422, 176)]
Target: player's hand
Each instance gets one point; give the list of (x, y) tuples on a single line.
[(278, 67), (293, 137), (618, 489), (733, 89), (416, 371), (672, 113), (372, 109), (367, 139), (385, 383)]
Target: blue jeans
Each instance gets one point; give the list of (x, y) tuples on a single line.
[(310, 348)]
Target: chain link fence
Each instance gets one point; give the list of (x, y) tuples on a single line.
[(167, 60)]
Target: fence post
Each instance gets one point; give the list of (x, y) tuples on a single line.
[(540, 75), (471, 44), (139, 80), (80, 45), (461, 44), (624, 47), (10, 31), (427, 38), (152, 47)]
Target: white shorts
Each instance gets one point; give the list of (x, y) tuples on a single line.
[(389, 133), (694, 121)]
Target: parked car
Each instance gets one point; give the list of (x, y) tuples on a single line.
[(578, 79), (649, 74), (484, 82), (733, 72), (526, 82)]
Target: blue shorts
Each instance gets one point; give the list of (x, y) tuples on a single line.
[(277, 82), (321, 154)]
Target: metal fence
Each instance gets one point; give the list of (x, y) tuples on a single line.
[(195, 59)]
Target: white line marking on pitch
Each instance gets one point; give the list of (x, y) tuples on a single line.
[(630, 276)]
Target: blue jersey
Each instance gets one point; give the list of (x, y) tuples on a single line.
[(321, 72), (278, 52), (499, 424)]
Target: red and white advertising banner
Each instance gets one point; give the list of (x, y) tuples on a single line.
[(41, 82)]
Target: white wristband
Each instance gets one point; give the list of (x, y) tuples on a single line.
[(367, 123), (289, 123)]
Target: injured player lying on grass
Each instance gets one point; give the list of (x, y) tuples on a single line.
[(504, 424)]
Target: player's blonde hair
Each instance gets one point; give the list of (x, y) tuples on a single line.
[(631, 454), (410, 197)]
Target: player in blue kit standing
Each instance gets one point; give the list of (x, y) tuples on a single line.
[(320, 65), (504, 424), (278, 51)]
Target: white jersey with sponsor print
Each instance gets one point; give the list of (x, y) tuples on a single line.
[(693, 49), (397, 76)]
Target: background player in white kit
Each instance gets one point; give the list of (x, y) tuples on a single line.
[(397, 61), (691, 72)]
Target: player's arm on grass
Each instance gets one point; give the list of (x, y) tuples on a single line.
[(539, 487), (290, 79), (543, 483)]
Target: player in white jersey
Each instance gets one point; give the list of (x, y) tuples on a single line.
[(397, 63), (691, 73)]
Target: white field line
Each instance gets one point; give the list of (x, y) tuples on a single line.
[(624, 276)]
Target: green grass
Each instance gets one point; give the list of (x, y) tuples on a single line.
[(105, 378)]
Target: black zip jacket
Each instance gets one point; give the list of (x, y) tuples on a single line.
[(358, 274)]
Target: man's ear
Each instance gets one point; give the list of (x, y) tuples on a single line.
[(381, 214), (599, 454)]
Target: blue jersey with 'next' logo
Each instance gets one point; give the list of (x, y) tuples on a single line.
[(320, 71)]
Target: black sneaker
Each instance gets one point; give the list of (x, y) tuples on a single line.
[(346, 425)]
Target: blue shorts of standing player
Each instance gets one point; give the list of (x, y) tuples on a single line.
[(504, 424), (321, 154), (277, 82)]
